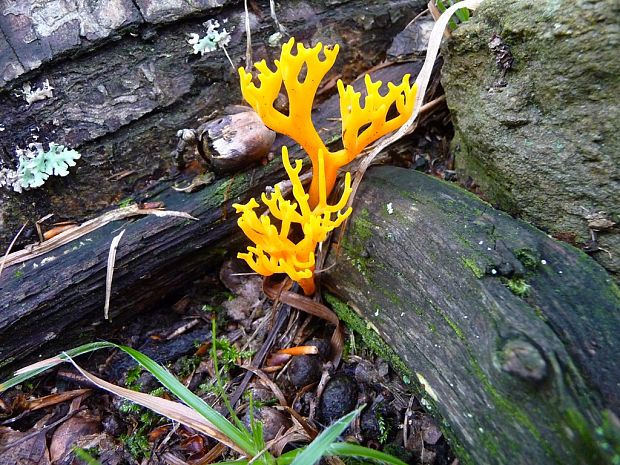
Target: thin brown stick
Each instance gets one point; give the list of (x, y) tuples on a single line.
[(248, 36), (418, 16), (272, 11), (35, 250)]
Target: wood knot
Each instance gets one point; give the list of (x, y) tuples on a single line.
[(523, 360)]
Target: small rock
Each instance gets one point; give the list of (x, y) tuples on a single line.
[(424, 430), (273, 421), (307, 369), (338, 399), (413, 39), (431, 434), (420, 164), (304, 370)]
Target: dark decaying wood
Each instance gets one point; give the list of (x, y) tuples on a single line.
[(55, 301), (519, 376)]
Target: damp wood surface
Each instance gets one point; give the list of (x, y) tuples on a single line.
[(510, 334)]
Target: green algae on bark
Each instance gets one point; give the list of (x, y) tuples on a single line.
[(541, 139), (464, 334)]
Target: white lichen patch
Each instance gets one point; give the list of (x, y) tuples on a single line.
[(390, 208), (275, 39), (10, 179), (36, 165), (213, 40), (34, 95)]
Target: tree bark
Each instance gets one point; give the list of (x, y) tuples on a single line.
[(511, 335)]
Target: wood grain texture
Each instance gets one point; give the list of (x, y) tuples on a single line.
[(515, 377)]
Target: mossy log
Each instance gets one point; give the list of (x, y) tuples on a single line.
[(511, 335)]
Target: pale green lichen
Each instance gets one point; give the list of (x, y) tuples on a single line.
[(213, 40), (37, 164)]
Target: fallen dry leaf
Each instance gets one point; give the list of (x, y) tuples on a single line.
[(23, 448), (70, 432)]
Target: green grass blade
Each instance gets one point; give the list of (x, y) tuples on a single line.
[(462, 14), (287, 459), (323, 441), (242, 438), (343, 449), (44, 365), (220, 385)]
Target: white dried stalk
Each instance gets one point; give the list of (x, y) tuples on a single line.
[(110, 273), (423, 79)]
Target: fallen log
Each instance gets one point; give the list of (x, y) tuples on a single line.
[(510, 335)]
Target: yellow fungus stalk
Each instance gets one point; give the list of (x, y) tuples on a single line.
[(362, 124), (277, 249), (288, 246)]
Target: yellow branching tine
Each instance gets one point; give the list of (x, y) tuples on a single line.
[(321, 172), (372, 118), (301, 93), (262, 98), (285, 229), (345, 195), (298, 123), (298, 189)]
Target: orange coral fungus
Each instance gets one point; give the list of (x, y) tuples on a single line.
[(275, 251), (361, 124)]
